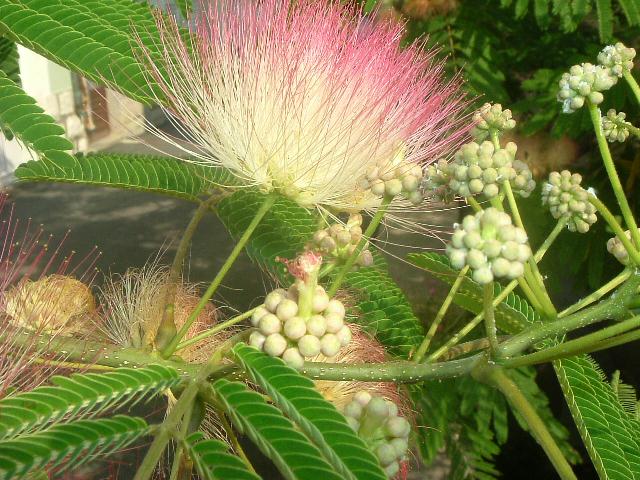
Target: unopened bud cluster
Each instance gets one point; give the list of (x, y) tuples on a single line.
[(567, 198), (481, 168), (282, 332), (492, 117), (617, 58), (490, 245), (613, 126), (616, 248), (584, 82), (340, 241), (395, 177), (377, 422), (523, 183)]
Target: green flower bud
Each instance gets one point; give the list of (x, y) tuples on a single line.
[(286, 309), (378, 408), (335, 306), (256, 339), (330, 345), (292, 357), (258, 313), (362, 397), (295, 328), (334, 322), (617, 58), (397, 427), (316, 326), (615, 127), (269, 324), (386, 454), (392, 469), (616, 248), (584, 81), (567, 198), (275, 345), (309, 346), (344, 335), (492, 117), (272, 300), (320, 300), (354, 410)]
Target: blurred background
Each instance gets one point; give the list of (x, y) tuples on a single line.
[(508, 51)]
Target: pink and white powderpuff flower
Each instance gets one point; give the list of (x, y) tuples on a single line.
[(304, 97)]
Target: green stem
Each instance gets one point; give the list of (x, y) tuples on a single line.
[(167, 328), (571, 348), (490, 319), (632, 129), (395, 372), (497, 377), (474, 203), (635, 88), (326, 270), (424, 346), (178, 455), (218, 328), (369, 232), (455, 339), (235, 444), (598, 294), (627, 214), (530, 294), (262, 211), (616, 341), (617, 229), (614, 307), (164, 433), (550, 239)]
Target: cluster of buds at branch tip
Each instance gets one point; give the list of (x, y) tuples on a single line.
[(301, 322), (377, 422), (614, 126), (567, 198), (480, 168), (338, 242), (616, 248), (584, 82), (617, 58), (491, 117), (390, 178), (490, 245)]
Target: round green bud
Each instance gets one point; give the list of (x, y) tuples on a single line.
[(457, 258), (275, 345), (472, 240), (286, 309), (353, 410), (378, 188), (353, 423), (397, 427), (309, 346), (320, 300), (386, 454), (316, 325), (392, 469), (256, 339), (378, 407), (295, 328), (335, 306), (482, 275), (330, 345), (334, 322), (362, 397), (393, 408), (393, 187), (410, 183), (292, 357), (476, 259), (258, 313), (272, 300), (400, 445), (269, 324), (344, 335)]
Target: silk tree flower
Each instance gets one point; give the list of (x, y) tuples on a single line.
[(303, 97)]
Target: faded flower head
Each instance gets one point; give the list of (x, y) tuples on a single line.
[(303, 97), (617, 249), (617, 58)]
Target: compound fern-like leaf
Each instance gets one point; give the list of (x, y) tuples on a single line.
[(296, 396), (72, 444), (275, 435), (213, 461), (81, 395)]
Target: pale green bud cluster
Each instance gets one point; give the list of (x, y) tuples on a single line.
[(282, 332), (616, 248), (491, 117), (481, 168), (340, 241), (617, 58), (523, 183), (613, 126), (436, 183), (567, 198), (377, 422), (490, 245), (584, 82), (395, 177)]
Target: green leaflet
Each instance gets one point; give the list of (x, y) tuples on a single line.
[(283, 233), (605, 19), (275, 435), (84, 41), (512, 315), (610, 434), (28, 122), (9, 60), (71, 443), (138, 172), (296, 396), (81, 395), (213, 461)]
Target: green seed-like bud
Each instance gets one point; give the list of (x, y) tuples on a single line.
[(330, 345), (334, 322), (295, 328), (386, 454), (272, 300), (258, 313), (378, 408), (309, 346), (275, 345), (354, 410), (316, 325), (335, 306), (344, 335), (269, 324), (286, 309), (256, 339), (292, 357), (397, 427)]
